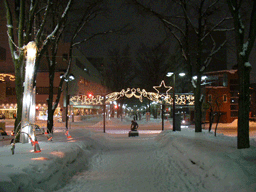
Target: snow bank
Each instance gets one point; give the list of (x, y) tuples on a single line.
[(215, 160), (50, 169), (224, 168)]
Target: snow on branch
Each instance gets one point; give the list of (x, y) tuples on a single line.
[(86, 18), (201, 98), (175, 26), (245, 47), (94, 35), (193, 83), (63, 16), (13, 43), (189, 20), (46, 13), (214, 27), (213, 51), (247, 64), (252, 29), (231, 29)]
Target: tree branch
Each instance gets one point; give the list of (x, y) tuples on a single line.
[(252, 30), (210, 6), (30, 21), (40, 30), (10, 28), (221, 21), (21, 23)]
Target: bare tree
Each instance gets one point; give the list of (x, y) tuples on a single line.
[(153, 64), (214, 105), (245, 39), (27, 21), (195, 20), (118, 72), (90, 12)]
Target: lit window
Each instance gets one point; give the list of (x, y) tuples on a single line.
[(225, 98)]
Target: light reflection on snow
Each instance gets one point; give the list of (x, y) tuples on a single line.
[(127, 131), (58, 154), (40, 158)]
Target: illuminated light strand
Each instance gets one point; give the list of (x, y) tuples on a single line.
[(139, 94), (3, 75), (85, 100)]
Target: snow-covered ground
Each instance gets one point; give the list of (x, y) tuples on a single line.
[(94, 161)]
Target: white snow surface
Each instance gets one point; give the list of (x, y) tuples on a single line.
[(95, 161)]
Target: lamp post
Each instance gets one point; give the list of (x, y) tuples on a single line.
[(28, 104), (67, 79), (163, 106), (169, 74)]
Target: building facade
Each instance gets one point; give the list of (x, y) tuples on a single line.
[(87, 81), (222, 93)]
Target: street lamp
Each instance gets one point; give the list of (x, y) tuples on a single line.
[(169, 74), (67, 79)]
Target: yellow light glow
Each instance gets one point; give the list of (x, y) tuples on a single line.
[(31, 50), (40, 158), (3, 75), (161, 86), (137, 93)]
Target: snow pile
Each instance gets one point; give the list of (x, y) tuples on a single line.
[(222, 167), (171, 161), (50, 169)]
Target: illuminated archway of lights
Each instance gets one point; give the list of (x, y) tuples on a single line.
[(183, 99), (3, 75)]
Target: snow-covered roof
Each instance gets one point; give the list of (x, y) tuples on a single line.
[(232, 71)]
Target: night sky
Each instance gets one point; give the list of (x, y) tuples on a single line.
[(145, 29)]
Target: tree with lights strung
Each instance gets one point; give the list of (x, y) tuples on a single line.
[(27, 21), (245, 34)]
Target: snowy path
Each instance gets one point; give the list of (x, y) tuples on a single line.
[(137, 164)]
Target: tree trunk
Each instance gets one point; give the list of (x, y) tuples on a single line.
[(243, 140), (211, 118), (19, 96), (198, 103), (50, 98), (50, 116), (198, 113)]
